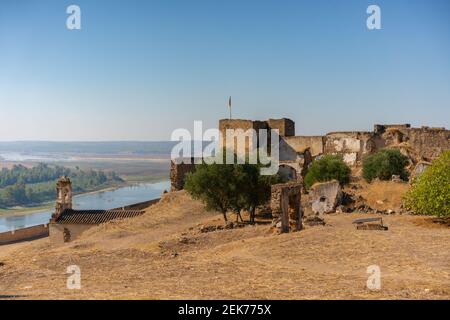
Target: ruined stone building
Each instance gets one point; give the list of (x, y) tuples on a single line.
[(67, 224), (420, 145)]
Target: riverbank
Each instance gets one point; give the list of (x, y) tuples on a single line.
[(146, 178), (101, 200), (45, 206), (17, 211)]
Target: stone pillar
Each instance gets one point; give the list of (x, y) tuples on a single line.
[(63, 196), (285, 206), (284, 201)]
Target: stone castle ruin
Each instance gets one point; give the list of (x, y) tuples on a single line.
[(420, 145)]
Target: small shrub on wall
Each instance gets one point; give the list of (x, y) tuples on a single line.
[(385, 163), (430, 193), (327, 168)]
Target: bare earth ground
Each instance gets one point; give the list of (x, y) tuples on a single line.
[(163, 255)]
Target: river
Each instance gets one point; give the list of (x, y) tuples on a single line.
[(108, 199)]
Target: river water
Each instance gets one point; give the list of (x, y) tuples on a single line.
[(100, 200)]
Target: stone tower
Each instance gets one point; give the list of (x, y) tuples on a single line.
[(63, 196)]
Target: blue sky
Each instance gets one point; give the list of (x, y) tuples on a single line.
[(137, 70)]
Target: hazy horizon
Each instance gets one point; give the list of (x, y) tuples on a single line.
[(136, 70)]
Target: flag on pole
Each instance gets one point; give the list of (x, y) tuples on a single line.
[(229, 105)]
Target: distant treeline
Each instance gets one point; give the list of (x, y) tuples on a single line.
[(22, 186), (22, 175)]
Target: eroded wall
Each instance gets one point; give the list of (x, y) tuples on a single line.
[(425, 143), (24, 234), (419, 144), (301, 143), (351, 145), (178, 172)]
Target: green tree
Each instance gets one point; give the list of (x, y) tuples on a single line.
[(327, 168), (255, 188), (383, 164), (16, 194), (235, 187), (430, 193), (214, 185)]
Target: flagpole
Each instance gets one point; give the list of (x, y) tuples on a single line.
[(229, 105)]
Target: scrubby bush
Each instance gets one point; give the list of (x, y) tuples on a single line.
[(385, 163), (430, 193), (327, 168)]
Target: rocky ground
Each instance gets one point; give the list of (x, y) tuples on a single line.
[(176, 251)]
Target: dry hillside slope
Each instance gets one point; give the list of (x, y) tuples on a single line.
[(164, 255)]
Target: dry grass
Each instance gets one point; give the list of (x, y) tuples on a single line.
[(163, 255), (383, 195)]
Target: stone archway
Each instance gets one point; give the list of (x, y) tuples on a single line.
[(287, 172)]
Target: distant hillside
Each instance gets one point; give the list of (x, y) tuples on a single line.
[(112, 147), (14, 151)]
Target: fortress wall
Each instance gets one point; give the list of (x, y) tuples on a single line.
[(178, 172), (418, 143), (244, 126), (301, 143), (235, 124), (351, 145), (380, 128), (429, 143), (24, 234), (286, 127)]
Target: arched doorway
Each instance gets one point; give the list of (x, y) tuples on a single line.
[(287, 172)]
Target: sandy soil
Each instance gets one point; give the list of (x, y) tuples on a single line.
[(163, 255)]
